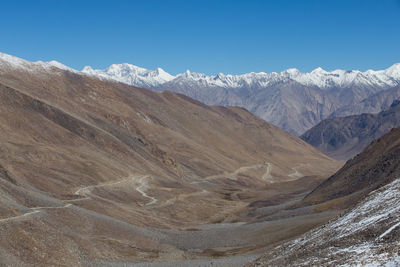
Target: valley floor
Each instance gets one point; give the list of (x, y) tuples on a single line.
[(219, 244), (232, 244)]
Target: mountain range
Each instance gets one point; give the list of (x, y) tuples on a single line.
[(292, 100), (96, 173), (344, 137)]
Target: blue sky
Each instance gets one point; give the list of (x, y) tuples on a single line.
[(205, 36)]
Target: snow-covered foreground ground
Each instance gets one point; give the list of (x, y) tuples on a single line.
[(369, 235)]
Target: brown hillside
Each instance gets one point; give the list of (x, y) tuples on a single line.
[(377, 165), (88, 165)]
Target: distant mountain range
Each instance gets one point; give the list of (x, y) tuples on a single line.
[(291, 100), (344, 137)]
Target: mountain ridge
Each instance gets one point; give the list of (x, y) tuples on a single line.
[(292, 100), (317, 77), (376, 165), (344, 137)]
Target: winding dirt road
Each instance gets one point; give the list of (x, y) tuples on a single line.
[(34, 210), (137, 179)]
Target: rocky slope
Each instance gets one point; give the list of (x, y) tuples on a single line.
[(378, 164), (368, 232), (367, 235), (344, 137), (291, 100), (96, 171)]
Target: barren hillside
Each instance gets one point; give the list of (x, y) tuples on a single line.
[(94, 170)]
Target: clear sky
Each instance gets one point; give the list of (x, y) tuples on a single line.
[(208, 36)]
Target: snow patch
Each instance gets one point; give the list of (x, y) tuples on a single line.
[(355, 239), (8, 61), (388, 231)]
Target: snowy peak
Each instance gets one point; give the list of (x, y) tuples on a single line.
[(21, 64), (131, 74), (291, 73), (137, 76), (343, 78), (57, 65), (87, 69), (319, 77), (319, 71), (11, 61), (393, 71)]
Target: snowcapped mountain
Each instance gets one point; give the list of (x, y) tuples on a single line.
[(292, 100), (8, 61), (132, 75), (319, 77)]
